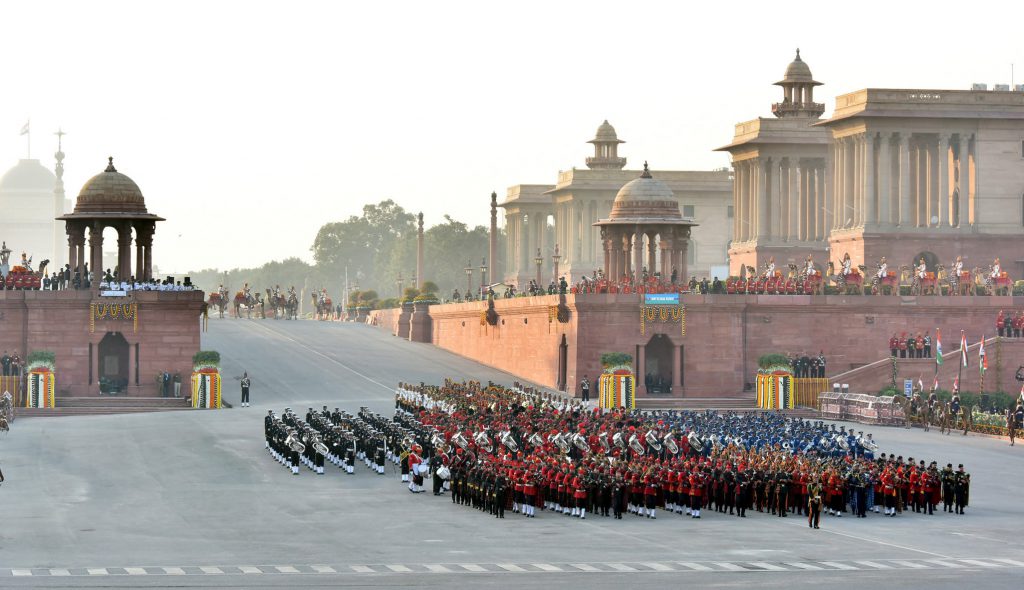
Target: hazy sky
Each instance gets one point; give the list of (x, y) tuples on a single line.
[(250, 124)]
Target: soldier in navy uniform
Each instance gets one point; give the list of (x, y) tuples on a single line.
[(961, 488), (245, 387)]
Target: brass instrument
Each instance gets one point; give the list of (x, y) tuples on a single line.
[(509, 442), (483, 441), (460, 441), (670, 443), (635, 445), (560, 442), (619, 440), (294, 443), (437, 439), (580, 442), (695, 442), (535, 440), (652, 440), (320, 447), (603, 438)]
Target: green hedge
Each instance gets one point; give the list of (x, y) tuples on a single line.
[(616, 359), (206, 358)]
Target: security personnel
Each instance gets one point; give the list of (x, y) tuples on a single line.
[(961, 488), (814, 492)]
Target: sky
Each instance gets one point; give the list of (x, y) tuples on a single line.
[(248, 125)]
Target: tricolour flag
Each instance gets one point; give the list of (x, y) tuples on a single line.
[(938, 347), (24, 129), (956, 384), (935, 384), (982, 359), (963, 348)]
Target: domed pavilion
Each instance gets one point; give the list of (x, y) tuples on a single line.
[(111, 199), (645, 208)]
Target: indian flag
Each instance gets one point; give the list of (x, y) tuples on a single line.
[(938, 347), (963, 348), (982, 359)]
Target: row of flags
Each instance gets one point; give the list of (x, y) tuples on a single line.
[(982, 360)]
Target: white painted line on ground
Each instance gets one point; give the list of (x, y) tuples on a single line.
[(209, 569), (695, 566), (621, 567), (174, 571), (869, 540), (839, 566), (97, 571), (59, 572), (249, 569), (875, 565), (768, 566), (136, 571), (1011, 562), (437, 568), (21, 572), (471, 567), (949, 564), (547, 567), (324, 569), (908, 564), (362, 569), (586, 567), (979, 562), (658, 567), (803, 566), (286, 569), (732, 567), (398, 568), (510, 567)]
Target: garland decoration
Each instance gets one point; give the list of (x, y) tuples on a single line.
[(663, 313), (114, 311)]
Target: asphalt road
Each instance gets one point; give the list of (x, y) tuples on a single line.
[(191, 499)]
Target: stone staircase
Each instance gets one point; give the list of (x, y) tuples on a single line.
[(92, 406)]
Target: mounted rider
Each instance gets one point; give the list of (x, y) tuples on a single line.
[(995, 268), (883, 268), (809, 270), (246, 291), (223, 292), (958, 267), (769, 269), (922, 269), (847, 265)]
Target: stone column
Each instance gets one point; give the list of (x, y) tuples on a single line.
[(783, 210), (641, 368), (677, 370), (904, 218), (821, 231), (796, 189), (924, 196), (638, 256), (871, 195), (124, 252), (850, 210), (683, 253), (741, 201), (885, 201), (763, 206), (965, 181), (140, 260), (737, 210), (837, 183), (96, 250), (945, 197)]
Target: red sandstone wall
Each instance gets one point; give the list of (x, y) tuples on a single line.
[(168, 335), (385, 319)]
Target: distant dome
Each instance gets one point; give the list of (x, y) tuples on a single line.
[(110, 192), (606, 133), (645, 188), (645, 200), (798, 71), (28, 175)]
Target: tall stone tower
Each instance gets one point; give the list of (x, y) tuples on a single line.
[(59, 204), (493, 242)]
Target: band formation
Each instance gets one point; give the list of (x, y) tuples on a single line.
[(495, 448)]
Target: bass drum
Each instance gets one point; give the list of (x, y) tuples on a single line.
[(443, 472)]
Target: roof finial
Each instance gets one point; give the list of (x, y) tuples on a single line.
[(647, 171), (797, 54), (110, 165)]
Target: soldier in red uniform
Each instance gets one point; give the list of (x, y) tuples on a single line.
[(579, 487), (894, 344), (529, 493), (696, 491)]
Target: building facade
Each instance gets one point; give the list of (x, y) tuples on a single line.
[(581, 197)]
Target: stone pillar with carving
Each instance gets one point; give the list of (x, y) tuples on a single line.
[(904, 218), (677, 370), (96, 250), (945, 211), (964, 180)]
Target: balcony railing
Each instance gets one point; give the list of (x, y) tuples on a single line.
[(780, 109)]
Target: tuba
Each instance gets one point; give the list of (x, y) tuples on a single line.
[(437, 439), (560, 442), (842, 443), (320, 447), (535, 440), (483, 441), (295, 444), (605, 445), (509, 442), (618, 440), (460, 441), (670, 443), (652, 440), (636, 445), (695, 442), (580, 442)]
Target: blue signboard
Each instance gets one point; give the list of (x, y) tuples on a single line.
[(908, 387), (661, 299)]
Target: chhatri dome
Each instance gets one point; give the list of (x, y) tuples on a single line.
[(645, 200), (110, 192), (798, 92), (606, 149)]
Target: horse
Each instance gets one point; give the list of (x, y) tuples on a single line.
[(324, 308)]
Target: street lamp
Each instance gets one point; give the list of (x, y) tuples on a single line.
[(400, 281), (483, 273), (469, 278), (539, 261), (555, 258)]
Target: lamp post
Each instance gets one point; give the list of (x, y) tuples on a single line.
[(555, 258), (400, 281), (469, 278), (539, 261), (483, 274)]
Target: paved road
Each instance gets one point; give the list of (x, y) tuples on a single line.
[(190, 499)]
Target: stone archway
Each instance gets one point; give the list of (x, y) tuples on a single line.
[(930, 260), (113, 363), (658, 361)]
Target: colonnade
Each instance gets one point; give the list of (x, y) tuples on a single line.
[(630, 249)]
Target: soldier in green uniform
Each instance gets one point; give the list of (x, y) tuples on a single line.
[(814, 492)]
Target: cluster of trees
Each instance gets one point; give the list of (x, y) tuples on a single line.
[(376, 247)]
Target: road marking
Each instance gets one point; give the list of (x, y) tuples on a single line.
[(324, 569), (909, 564), (695, 566), (174, 571), (362, 569), (136, 571), (21, 572), (621, 567), (803, 566), (207, 569), (59, 572), (510, 567), (471, 567), (979, 562), (869, 540), (877, 566), (732, 567), (586, 567), (97, 571), (838, 566), (399, 568), (286, 569), (1011, 562), (547, 567), (437, 569), (249, 569), (949, 564), (658, 567), (768, 566)]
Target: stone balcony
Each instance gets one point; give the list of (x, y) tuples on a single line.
[(785, 109), (613, 163)]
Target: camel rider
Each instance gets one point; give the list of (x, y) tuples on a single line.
[(277, 291), (883, 268), (291, 291), (810, 272), (958, 267), (995, 268), (770, 269), (922, 269), (847, 265), (246, 291)]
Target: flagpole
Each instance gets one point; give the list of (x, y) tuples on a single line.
[(960, 361)]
